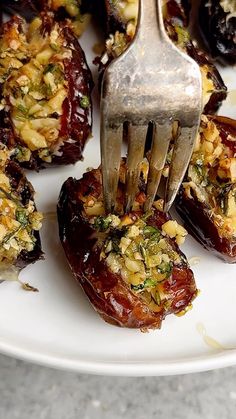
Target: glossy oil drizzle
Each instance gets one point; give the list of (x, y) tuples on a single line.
[(209, 341), (12, 274)]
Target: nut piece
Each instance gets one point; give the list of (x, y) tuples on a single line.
[(32, 138)]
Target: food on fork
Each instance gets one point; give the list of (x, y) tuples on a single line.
[(121, 19), (217, 19), (76, 10), (207, 199), (129, 266), (20, 221), (45, 88)]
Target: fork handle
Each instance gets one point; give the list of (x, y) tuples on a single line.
[(150, 22)]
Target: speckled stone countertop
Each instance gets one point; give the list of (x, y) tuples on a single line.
[(32, 392)]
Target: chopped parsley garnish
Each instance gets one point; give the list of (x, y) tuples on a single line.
[(22, 110), (84, 102), (102, 223), (150, 231), (49, 68), (148, 283), (165, 268), (21, 217)]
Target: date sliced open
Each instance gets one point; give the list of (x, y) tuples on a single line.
[(20, 222), (207, 200), (45, 87), (129, 266), (217, 19), (121, 19)]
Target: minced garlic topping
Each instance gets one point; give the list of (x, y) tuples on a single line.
[(212, 177), (140, 253), (17, 221), (127, 9), (34, 86)]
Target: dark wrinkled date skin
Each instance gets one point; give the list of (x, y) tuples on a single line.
[(220, 93), (76, 121), (109, 294), (23, 188), (218, 30), (26, 8), (180, 10), (196, 214)]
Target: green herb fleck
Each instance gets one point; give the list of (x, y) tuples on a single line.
[(148, 283), (150, 231), (10, 236), (10, 196), (165, 268), (21, 217), (84, 102), (22, 109), (102, 223), (49, 68), (157, 298)]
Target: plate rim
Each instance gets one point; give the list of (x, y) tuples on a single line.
[(219, 359)]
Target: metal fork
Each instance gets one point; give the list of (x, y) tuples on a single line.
[(152, 81)]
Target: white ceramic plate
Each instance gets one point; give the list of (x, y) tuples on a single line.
[(58, 327)]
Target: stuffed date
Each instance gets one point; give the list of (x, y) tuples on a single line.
[(76, 10), (121, 24), (45, 88), (20, 222), (217, 20), (129, 266), (207, 199)]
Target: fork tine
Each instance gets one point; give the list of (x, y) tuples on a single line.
[(161, 139), (182, 153), (111, 141), (136, 144)]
